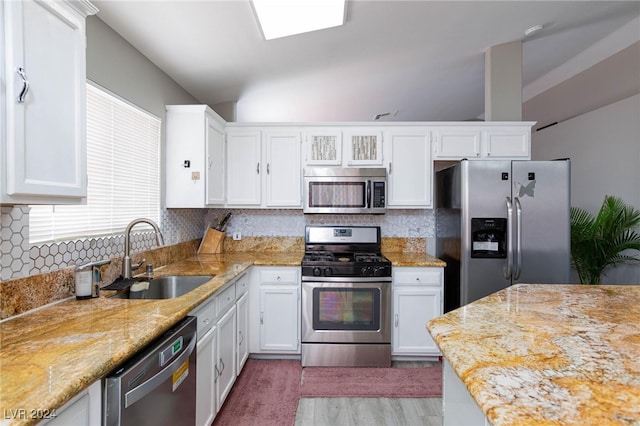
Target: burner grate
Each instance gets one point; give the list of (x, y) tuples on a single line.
[(319, 256), (368, 257)]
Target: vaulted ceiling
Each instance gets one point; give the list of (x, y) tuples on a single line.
[(417, 60)]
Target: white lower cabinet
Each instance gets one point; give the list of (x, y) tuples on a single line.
[(83, 409), (205, 385), (242, 316), (279, 318), (205, 372), (225, 365), (274, 318), (458, 406), (417, 298), (223, 347)]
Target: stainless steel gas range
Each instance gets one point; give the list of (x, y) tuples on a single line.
[(346, 298)]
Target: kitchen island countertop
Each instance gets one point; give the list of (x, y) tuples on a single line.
[(548, 354)]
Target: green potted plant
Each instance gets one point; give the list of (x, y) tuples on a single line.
[(602, 241)]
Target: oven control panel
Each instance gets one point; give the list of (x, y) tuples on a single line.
[(364, 271)]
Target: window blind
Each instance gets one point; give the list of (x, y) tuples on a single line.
[(123, 169)]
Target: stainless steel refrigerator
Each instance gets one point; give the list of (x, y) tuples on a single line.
[(501, 222)]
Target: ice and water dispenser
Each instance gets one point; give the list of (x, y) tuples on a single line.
[(488, 238)]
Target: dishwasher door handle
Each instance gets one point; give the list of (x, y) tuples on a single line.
[(145, 388)]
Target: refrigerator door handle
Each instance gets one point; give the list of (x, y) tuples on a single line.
[(518, 267), (507, 272)]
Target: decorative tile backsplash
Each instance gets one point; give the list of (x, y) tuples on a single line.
[(19, 259), (14, 242), (33, 276), (291, 223)]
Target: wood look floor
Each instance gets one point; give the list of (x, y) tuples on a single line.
[(371, 411)]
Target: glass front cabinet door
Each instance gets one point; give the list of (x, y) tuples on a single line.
[(323, 147), (363, 147)]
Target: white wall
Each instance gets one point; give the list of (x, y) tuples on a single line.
[(604, 147)]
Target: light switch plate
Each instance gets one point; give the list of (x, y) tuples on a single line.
[(237, 236)]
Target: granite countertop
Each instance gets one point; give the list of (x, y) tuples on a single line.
[(548, 354), (50, 354), (413, 259)]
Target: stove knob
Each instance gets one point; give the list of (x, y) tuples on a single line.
[(317, 272), (367, 271), (377, 271), (327, 272)]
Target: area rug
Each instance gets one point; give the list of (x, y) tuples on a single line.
[(345, 382), (266, 393)]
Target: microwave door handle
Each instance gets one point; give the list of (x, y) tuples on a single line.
[(368, 194)]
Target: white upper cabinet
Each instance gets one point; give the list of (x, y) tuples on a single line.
[(195, 161), (456, 143), (244, 179), (215, 167), (264, 167), (252, 165), (283, 180), (43, 151), (363, 146), (483, 141), (507, 142), (409, 167)]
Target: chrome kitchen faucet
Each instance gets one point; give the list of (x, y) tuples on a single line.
[(126, 262)]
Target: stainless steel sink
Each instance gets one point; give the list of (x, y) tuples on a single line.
[(168, 287)]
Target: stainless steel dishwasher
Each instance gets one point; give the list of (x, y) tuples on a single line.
[(158, 385)]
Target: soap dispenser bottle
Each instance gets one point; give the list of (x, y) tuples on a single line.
[(87, 278)]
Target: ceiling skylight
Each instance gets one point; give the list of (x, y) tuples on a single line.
[(281, 18)]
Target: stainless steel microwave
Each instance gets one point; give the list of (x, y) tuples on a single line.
[(345, 190)]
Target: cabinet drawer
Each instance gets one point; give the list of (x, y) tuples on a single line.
[(279, 276), (242, 286), (206, 314), (419, 276), (226, 299)]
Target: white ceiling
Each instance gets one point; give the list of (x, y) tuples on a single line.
[(424, 59)]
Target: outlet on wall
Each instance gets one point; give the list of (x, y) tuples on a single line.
[(237, 236)]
